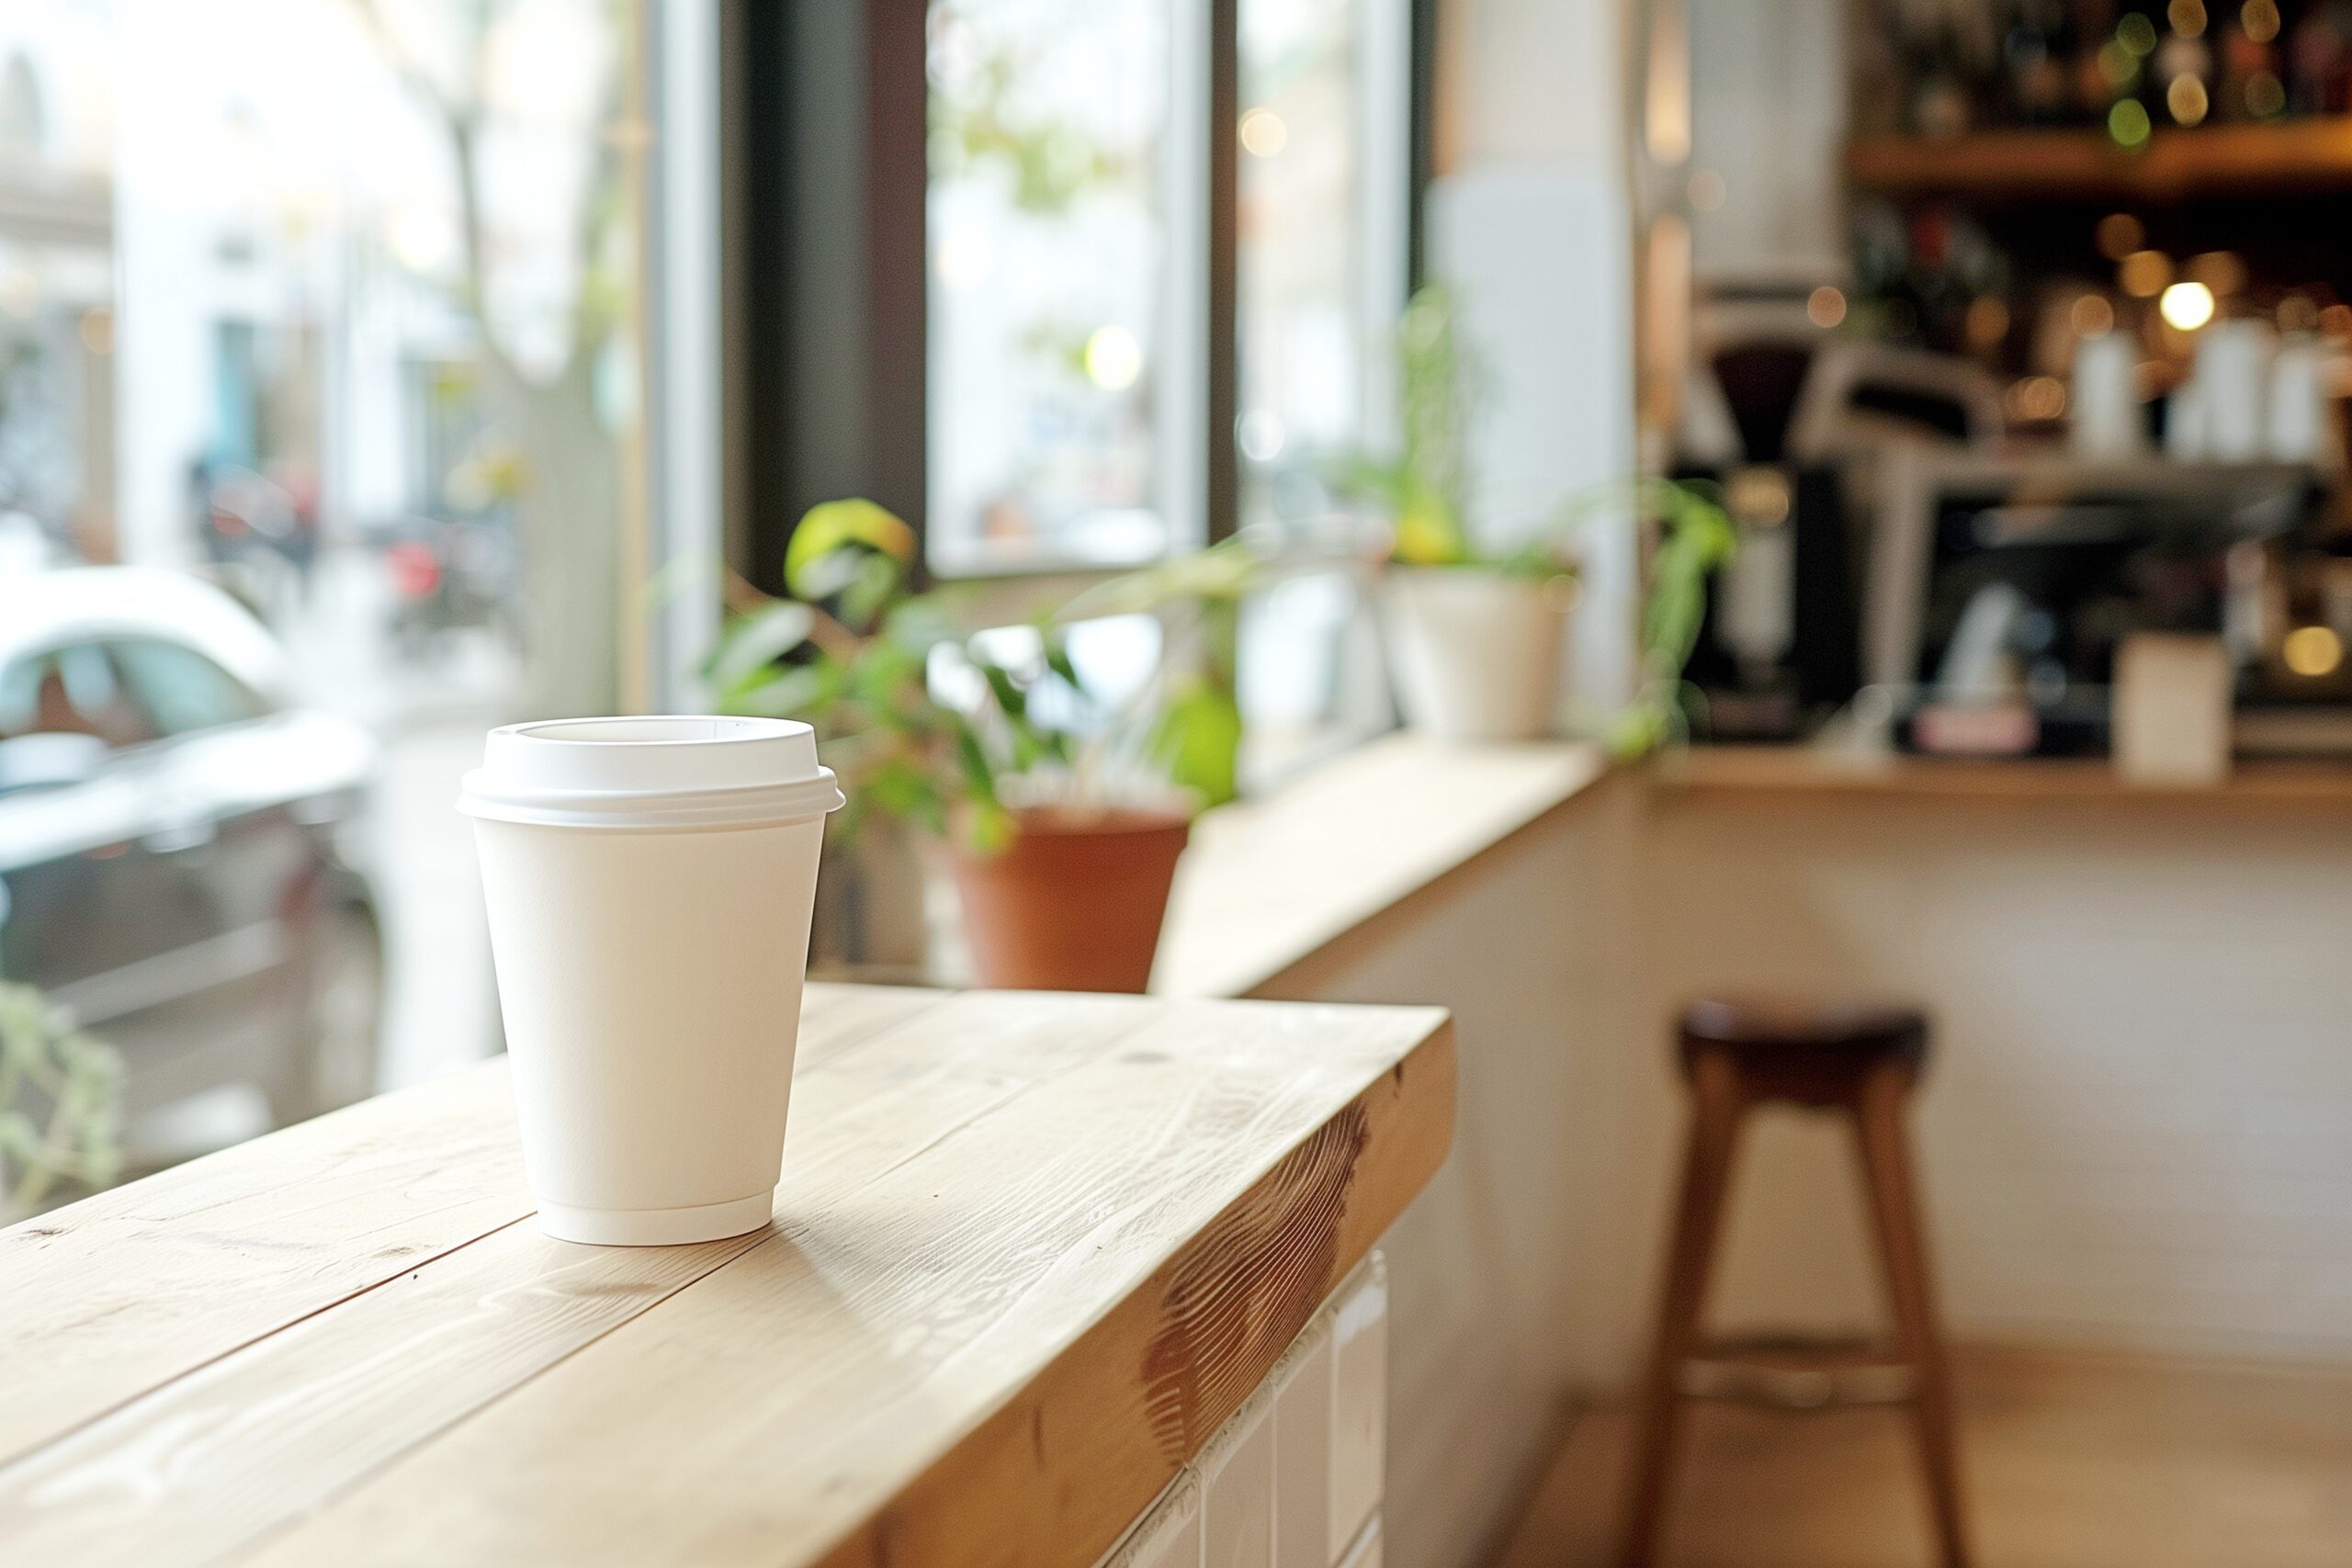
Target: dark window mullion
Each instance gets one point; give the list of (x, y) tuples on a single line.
[(1221, 383)]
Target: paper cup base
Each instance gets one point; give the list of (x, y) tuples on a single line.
[(657, 1227)]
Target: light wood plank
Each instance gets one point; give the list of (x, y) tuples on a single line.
[(210, 1462), (1269, 883), (995, 1347), (112, 1296)]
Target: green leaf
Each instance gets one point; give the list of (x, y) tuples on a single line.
[(989, 828), (812, 567), (750, 643), (1198, 740), (874, 579), (1009, 697), (980, 777), (804, 691)]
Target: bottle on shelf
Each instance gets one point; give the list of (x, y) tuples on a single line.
[(2034, 59), (2251, 86)]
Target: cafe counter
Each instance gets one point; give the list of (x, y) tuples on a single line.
[(1041, 1266)]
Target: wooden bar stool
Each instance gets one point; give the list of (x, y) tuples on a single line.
[(1860, 1061)]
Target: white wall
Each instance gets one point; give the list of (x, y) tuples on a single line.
[(1769, 117), (2137, 1127), (1532, 224), (1494, 1299)]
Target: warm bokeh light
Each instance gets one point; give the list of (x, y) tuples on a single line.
[(2297, 313), (2312, 651), (2138, 34), (2259, 20), (2036, 399), (2117, 64), (2335, 321), (2265, 94), (1263, 133), (2128, 122), (2119, 234), (2187, 17), (2092, 316), (1826, 306), (1987, 321), (1758, 497), (2221, 271), (2187, 306), (2144, 273), (2187, 100), (1113, 358)]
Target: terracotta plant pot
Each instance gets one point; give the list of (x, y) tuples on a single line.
[(1074, 903)]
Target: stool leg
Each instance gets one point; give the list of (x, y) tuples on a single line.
[(1902, 1250), (1716, 1104)]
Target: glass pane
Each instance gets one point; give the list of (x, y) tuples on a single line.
[(316, 356), (71, 691), (179, 689), (1048, 222), (1301, 291)]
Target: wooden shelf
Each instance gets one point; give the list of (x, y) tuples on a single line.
[(1761, 773), (1277, 881), (2300, 157)]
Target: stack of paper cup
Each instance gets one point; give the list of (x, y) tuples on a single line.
[(649, 883)]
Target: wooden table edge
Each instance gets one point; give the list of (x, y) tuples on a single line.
[(943, 1516)]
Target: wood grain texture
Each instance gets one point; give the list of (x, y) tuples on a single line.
[(209, 1462), (122, 1291), (954, 1362), (1797, 773), (1269, 883), (1031, 1245)]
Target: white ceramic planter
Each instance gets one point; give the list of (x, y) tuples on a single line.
[(1476, 654)]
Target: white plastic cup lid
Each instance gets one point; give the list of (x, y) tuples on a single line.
[(667, 772)]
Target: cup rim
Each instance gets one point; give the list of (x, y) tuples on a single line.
[(577, 773), (741, 729)]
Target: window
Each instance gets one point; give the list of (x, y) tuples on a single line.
[(1307, 344), (345, 307), (1324, 178), (71, 691), (179, 689), (1055, 231)]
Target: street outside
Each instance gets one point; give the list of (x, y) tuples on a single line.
[(429, 713)]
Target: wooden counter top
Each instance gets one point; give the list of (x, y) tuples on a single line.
[(1030, 1251), (1271, 881), (1794, 772)]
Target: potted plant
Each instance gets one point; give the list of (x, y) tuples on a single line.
[(60, 1103), (1059, 815), (1476, 639)]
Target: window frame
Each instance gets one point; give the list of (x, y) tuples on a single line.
[(826, 175)]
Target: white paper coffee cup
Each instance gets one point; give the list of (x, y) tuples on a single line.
[(649, 883)]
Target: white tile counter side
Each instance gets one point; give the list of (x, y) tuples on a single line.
[(1489, 878), (1306, 1453)]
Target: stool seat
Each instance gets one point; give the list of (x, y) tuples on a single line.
[(1790, 1022)]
